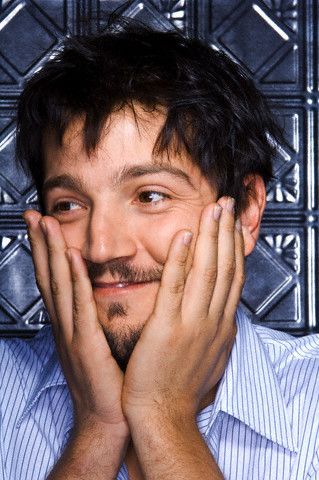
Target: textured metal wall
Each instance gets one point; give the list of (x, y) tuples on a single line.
[(277, 41)]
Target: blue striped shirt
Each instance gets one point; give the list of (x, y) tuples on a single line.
[(264, 423)]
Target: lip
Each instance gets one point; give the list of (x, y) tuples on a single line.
[(117, 288)]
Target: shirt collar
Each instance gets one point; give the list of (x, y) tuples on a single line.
[(250, 390)]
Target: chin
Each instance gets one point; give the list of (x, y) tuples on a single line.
[(122, 342), (122, 328)]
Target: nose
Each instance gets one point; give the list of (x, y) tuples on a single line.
[(108, 238)]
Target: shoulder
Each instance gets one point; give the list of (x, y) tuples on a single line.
[(286, 351), (21, 360), (21, 350), (292, 363), (281, 348), (295, 362)]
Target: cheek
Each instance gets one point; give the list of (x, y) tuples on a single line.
[(74, 235), (161, 233)]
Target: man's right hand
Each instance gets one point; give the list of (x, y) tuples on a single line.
[(100, 433)]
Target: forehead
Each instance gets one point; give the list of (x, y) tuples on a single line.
[(127, 139)]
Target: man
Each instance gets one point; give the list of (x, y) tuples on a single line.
[(150, 153)]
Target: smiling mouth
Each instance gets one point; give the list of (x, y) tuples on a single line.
[(106, 288)]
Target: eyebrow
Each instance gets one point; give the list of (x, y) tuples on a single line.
[(136, 171), (77, 185), (64, 181)]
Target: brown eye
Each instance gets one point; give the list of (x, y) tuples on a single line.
[(151, 197), (65, 207)]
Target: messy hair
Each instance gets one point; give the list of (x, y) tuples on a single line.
[(214, 112)]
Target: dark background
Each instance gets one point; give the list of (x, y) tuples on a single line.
[(277, 42)]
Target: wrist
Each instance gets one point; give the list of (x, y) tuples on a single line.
[(161, 422), (93, 450), (186, 453), (158, 412), (92, 426)]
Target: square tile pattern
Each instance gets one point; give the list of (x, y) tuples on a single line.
[(276, 42)]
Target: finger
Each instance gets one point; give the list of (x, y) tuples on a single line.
[(225, 261), (85, 318), (202, 276), (170, 294), (239, 275), (60, 276), (88, 332), (40, 259)]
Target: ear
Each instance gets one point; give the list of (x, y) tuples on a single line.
[(252, 215)]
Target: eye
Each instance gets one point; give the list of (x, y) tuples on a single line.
[(65, 206), (152, 197)]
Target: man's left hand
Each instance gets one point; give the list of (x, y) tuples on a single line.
[(183, 350)]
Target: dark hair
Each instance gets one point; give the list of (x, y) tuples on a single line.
[(214, 111)]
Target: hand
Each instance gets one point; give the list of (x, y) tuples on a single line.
[(94, 378), (183, 350)]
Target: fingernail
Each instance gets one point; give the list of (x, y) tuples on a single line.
[(217, 212), (230, 204), (43, 226), (187, 238), (238, 225)]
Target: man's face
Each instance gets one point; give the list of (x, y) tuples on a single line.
[(121, 208)]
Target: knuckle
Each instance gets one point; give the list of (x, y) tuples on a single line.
[(76, 307), (56, 331), (210, 274), (55, 287), (241, 278), (75, 310), (228, 228), (177, 288), (180, 262), (39, 280), (227, 336), (229, 270), (31, 241), (214, 236), (52, 249), (76, 348)]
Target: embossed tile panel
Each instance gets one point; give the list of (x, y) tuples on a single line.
[(20, 303), (276, 41)]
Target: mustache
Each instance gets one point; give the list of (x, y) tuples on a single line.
[(122, 271)]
